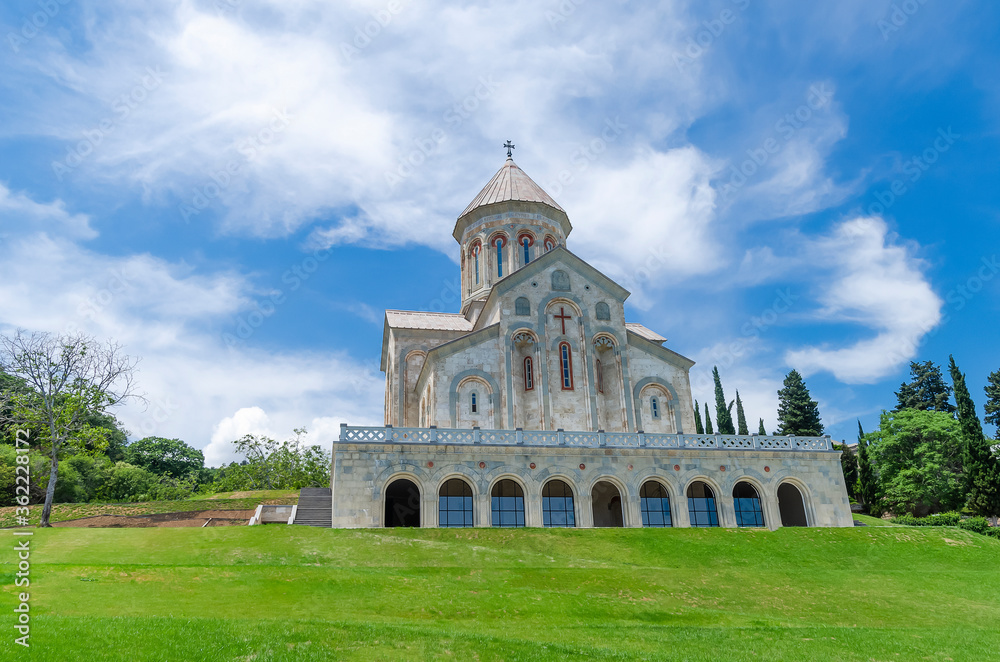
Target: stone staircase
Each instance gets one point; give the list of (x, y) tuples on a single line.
[(315, 507)]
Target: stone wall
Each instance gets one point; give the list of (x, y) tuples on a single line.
[(362, 472)]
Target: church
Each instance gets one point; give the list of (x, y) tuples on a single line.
[(537, 404)]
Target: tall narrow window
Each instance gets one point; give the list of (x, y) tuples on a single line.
[(529, 377), (526, 244), (549, 244), (654, 406), (475, 261), (475, 403), (498, 242), (600, 376), (566, 366)]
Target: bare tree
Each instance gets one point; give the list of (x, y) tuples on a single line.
[(69, 377)]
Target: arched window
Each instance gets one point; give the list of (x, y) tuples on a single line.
[(455, 504), (701, 505), (475, 402), (603, 311), (600, 375), (557, 504), (499, 242), (526, 247), (747, 503), (507, 501), (475, 262), (566, 365), (655, 504), (529, 376), (549, 244), (522, 306), (654, 406)]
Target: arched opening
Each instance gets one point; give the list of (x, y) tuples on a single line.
[(455, 504), (402, 504), (557, 504), (607, 505), (790, 506), (566, 366), (655, 505), (529, 374), (507, 504), (701, 505), (747, 502)]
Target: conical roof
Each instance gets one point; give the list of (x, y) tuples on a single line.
[(511, 183)]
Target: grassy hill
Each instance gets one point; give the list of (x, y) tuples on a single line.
[(293, 593)]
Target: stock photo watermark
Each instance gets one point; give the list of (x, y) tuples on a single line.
[(22, 544), (898, 16), (562, 12), (122, 107), (35, 23), (584, 155), (700, 43), (364, 35), (249, 148)]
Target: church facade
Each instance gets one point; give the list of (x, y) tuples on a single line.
[(537, 404)]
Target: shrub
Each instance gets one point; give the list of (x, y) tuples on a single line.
[(976, 524), (940, 519)]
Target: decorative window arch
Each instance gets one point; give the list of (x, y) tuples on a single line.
[(604, 344), (498, 242), (550, 243), (474, 402), (566, 366), (522, 306), (529, 374), (476, 250), (599, 371), (603, 311), (525, 240)]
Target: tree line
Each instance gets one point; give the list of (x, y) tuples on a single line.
[(61, 390)]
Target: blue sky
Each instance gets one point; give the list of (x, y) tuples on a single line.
[(236, 189)]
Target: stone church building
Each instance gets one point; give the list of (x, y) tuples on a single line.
[(537, 404)]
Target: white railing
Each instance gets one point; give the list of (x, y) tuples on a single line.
[(475, 436)]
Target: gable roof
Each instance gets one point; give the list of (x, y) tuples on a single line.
[(644, 332), (413, 319)]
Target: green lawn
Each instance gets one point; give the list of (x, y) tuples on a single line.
[(293, 593), (223, 501)]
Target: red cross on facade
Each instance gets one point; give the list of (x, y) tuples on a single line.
[(562, 316)]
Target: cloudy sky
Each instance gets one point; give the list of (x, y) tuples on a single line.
[(236, 189)]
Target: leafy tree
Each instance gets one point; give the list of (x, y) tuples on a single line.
[(69, 377), (698, 426), (926, 389), (917, 453), (982, 470), (273, 465), (867, 480), (723, 413), (798, 414), (708, 421), (849, 463), (992, 406), (171, 457), (741, 417), (116, 435), (760, 428)]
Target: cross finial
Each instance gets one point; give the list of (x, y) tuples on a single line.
[(509, 145)]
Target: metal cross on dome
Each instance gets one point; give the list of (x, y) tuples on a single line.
[(509, 145)]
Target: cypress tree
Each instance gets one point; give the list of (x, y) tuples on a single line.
[(992, 406), (723, 417), (867, 482), (849, 463), (741, 417), (926, 389), (708, 421), (980, 465), (698, 427), (798, 414), (760, 429)]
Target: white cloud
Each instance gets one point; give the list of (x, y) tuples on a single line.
[(20, 213), (876, 283)]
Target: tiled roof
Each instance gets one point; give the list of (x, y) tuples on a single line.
[(510, 183), (647, 333), (411, 319)]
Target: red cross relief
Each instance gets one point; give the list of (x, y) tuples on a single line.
[(562, 316)]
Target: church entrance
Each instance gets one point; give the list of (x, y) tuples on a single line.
[(607, 505), (793, 511), (402, 504)]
